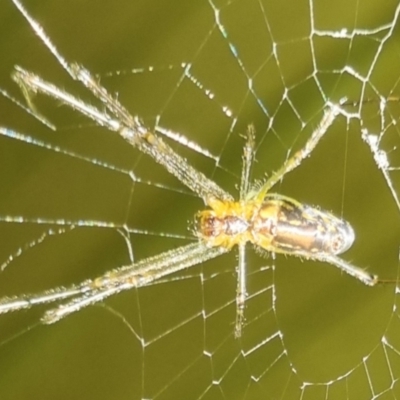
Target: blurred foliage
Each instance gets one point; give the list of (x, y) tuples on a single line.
[(155, 342)]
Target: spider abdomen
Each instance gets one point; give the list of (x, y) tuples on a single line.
[(301, 229)]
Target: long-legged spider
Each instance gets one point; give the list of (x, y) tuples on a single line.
[(271, 222)]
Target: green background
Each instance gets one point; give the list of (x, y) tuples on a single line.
[(306, 321)]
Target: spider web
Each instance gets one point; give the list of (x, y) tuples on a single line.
[(77, 202)]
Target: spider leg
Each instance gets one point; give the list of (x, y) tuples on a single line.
[(134, 133), (293, 162), (248, 159), (135, 275), (356, 272), (26, 301), (241, 292), (129, 127)]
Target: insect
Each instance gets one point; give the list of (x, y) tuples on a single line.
[(271, 222)]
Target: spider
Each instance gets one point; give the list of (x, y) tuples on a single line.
[(269, 221)]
